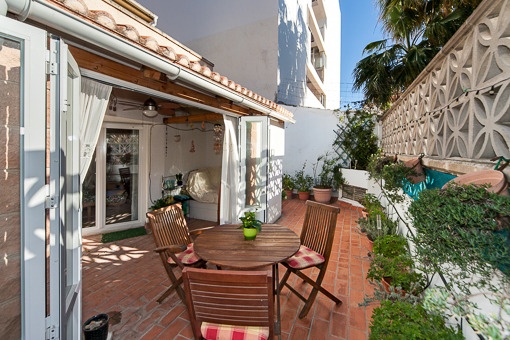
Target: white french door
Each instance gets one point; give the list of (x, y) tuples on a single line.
[(22, 48), (254, 162), (64, 319), (118, 202), (50, 257)]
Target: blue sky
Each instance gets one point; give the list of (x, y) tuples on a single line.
[(359, 27)]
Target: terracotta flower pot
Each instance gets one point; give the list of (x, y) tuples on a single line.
[(288, 193), (322, 195), (303, 195), (496, 179)]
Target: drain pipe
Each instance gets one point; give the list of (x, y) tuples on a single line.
[(56, 18)]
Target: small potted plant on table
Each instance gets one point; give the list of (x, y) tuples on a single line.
[(251, 226)]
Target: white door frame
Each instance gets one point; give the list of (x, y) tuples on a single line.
[(32, 177), (64, 319), (262, 171), (143, 166)]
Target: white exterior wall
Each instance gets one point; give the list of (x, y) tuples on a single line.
[(248, 54), (311, 137), (239, 37), (294, 52), (332, 40)]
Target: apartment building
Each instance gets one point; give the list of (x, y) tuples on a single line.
[(288, 50)]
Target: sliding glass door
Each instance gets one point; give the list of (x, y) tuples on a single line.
[(122, 169), (112, 191)]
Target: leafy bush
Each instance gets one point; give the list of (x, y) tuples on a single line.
[(330, 175), (397, 271), (390, 174), (288, 182), (162, 202), (404, 320), (390, 245), (370, 226), (371, 204), (357, 138), (303, 181), (465, 225)]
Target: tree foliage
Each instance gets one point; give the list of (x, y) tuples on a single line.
[(357, 138), (416, 30)]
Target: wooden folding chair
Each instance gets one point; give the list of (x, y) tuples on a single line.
[(174, 244), (316, 243), (223, 303)]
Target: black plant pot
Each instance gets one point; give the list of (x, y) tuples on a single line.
[(96, 328)]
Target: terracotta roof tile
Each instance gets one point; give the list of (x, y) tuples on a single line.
[(151, 43), (206, 71), (216, 76), (168, 52), (104, 19), (77, 6), (183, 60), (153, 39), (195, 66)]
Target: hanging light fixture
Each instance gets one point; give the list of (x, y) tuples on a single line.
[(150, 108)]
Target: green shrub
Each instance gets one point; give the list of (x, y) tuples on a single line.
[(303, 181), (288, 182), (403, 320), (397, 271), (465, 225), (369, 226), (390, 245)]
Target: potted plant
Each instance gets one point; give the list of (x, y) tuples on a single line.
[(392, 264), (303, 183), (405, 320), (288, 185), (329, 178), (391, 245), (162, 202), (376, 226), (251, 226), (396, 272)]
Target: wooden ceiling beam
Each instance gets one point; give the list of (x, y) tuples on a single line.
[(197, 118), (152, 79)]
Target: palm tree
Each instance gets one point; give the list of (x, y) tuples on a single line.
[(417, 30)]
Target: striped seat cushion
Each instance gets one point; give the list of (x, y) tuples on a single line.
[(305, 257), (213, 331), (186, 257)]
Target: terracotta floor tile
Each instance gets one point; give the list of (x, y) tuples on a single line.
[(127, 276)]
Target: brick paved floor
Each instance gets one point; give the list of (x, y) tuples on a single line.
[(126, 276)]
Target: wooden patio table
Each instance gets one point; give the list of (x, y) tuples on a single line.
[(226, 247)]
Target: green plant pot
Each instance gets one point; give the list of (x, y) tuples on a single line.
[(250, 233)]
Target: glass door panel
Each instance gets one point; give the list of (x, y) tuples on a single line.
[(122, 169), (254, 164), (89, 196)]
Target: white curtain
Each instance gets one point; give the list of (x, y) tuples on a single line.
[(94, 99), (229, 206)]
